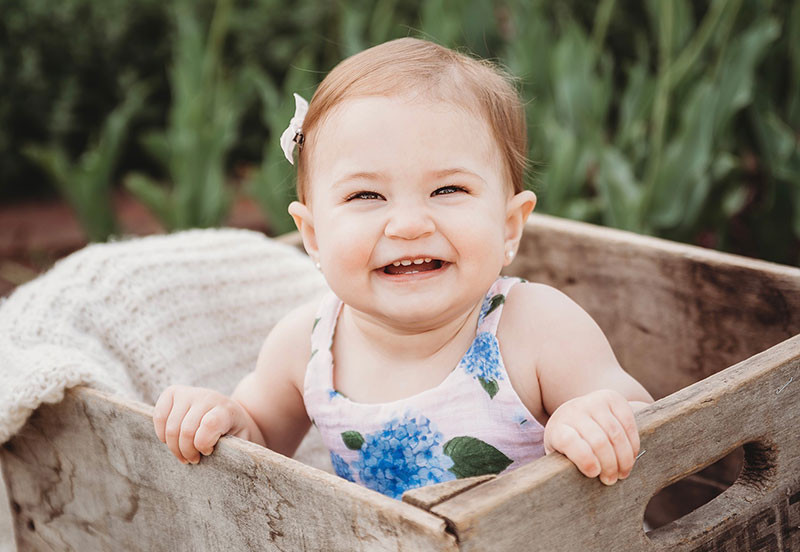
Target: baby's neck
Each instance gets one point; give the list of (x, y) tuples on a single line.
[(401, 343)]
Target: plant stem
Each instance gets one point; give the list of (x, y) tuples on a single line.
[(216, 37), (699, 40), (601, 20), (660, 110)]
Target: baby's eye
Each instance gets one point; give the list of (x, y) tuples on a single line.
[(444, 190), (364, 195)]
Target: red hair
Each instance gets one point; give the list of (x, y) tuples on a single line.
[(409, 65)]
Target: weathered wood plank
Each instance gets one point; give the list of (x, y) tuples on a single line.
[(674, 313), (549, 506), (430, 496), (89, 474)]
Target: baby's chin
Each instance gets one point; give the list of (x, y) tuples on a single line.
[(413, 316)]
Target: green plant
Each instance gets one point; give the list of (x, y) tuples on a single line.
[(86, 183), (649, 147), (619, 97), (60, 68), (272, 183), (203, 119)]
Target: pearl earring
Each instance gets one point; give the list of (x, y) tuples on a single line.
[(510, 254), (319, 266)]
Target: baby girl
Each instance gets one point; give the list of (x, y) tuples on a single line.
[(422, 365)]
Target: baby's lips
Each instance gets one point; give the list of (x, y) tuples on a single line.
[(406, 268)]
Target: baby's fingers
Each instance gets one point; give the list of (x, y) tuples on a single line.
[(172, 428), (566, 440), (622, 450), (188, 431), (597, 439), (216, 423), (161, 412), (623, 412)]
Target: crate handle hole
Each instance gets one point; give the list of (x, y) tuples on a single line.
[(693, 491)]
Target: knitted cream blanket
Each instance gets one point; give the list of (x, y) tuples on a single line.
[(133, 317)]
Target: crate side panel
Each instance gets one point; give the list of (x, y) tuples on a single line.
[(753, 403), (89, 473), (673, 313)]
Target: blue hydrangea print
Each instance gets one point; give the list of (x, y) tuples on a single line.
[(340, 467), (482, 362), (405, 454), (490, 304)]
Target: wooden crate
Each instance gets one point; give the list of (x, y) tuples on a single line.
[(710, 334)]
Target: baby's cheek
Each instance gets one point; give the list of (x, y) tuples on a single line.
[(482, 240)]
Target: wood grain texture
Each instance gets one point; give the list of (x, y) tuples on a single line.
[(673, 313), (549, 506), (430, 496), (89, 474)]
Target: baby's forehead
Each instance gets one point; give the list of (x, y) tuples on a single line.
[(366, 125), (359, 115)]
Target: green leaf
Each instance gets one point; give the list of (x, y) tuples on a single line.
[(678, 193), (473, 457), (495, 302), (352, 439), (490, 386), (382, 21), (619, 189), (152, 195)]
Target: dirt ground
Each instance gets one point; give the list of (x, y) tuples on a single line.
[(35, 234)]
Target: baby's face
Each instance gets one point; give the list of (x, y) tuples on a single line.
[(408, 203)]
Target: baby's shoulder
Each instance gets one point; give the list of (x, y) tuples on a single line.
[(531, 299), (298, 322), (535, 313), (288, 344), (540, 318)]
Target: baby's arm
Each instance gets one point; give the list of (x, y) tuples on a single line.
[(266, 407), (589, 398)]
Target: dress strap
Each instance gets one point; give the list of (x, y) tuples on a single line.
[(493, 304), (318, 371), (325, 322)]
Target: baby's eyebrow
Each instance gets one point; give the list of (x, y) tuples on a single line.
[(361, 175), (455, 170), (432, 175)]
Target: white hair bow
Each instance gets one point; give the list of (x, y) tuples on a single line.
[(294, 132)]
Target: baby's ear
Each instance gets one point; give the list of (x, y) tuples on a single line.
[(305, 225), (518, 208)]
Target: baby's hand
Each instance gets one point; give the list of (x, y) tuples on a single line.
[(190, 420), (597, 432)]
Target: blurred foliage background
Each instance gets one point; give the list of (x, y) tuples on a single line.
[(675, 118)]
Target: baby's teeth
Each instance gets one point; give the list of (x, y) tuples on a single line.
[(427, 260), (405, 262), (396, 263), (418, 261)]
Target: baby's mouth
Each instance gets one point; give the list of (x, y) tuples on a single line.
[(413, 266)]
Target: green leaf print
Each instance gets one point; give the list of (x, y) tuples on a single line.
[(490, 386), (352, 439), (316, 321), (473, 457), (495, 302)]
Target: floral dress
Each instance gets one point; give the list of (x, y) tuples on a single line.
[(472, 423)]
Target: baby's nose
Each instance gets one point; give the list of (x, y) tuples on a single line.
[(409, 223)]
